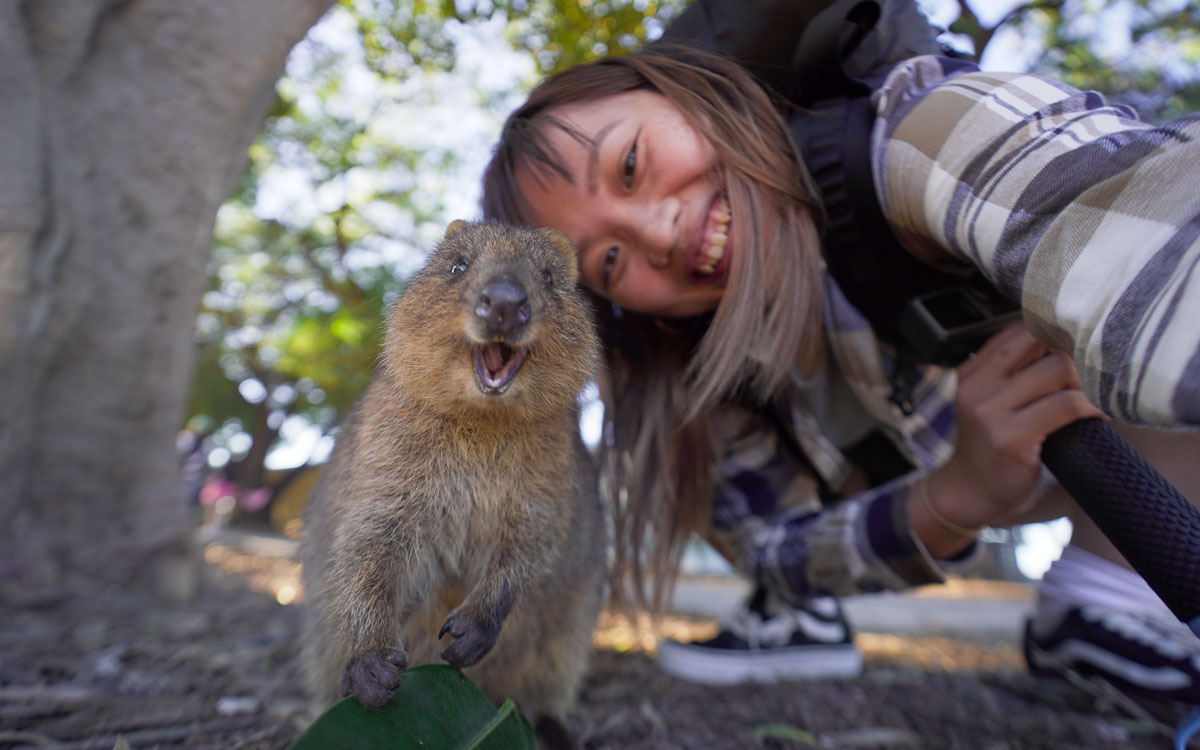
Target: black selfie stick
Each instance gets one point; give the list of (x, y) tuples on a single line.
[(1142, 514)]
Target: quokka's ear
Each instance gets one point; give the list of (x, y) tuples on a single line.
[(456, 226), (565, 248)]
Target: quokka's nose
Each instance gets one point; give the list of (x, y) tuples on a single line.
[(503, 306)]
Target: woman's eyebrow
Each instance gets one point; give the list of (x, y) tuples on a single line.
[(593, 155)]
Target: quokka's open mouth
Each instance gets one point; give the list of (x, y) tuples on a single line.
[(495, 366)]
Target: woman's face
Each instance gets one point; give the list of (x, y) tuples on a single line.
[(644, 207)]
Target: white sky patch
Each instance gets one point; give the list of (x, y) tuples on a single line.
[(1113, 37), (1010, 52), (286, 194), (1040, 545), (591, 416), (945, 12), (299, 442)]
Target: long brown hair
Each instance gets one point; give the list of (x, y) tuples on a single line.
[(664, 375)]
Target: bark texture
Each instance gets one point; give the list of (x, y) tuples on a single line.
[(123, 125)]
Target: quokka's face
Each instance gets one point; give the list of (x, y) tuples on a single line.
[(517, 327)]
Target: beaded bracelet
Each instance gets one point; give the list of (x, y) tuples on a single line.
[(945, 523)]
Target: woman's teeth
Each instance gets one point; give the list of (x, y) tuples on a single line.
[(715, 248)]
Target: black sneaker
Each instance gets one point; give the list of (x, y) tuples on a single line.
[(769, 644), (1141, 655)]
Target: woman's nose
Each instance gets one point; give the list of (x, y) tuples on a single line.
[(661, 232)]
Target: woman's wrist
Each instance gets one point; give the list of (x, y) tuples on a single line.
[(922, 488), (937, 520)]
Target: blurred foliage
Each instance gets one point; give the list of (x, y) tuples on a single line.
[(402, 37), (1142, 53)]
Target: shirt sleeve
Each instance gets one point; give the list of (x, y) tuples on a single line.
[(1086, 215), (768, 514)]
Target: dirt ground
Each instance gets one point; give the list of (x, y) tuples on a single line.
[(99, 669)]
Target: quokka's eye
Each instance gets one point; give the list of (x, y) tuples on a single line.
[(460, 266), (548, 278)]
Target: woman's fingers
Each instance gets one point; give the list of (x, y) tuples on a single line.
[(1055, 411), (1010, 350), (1011, 395), (1054, 371), (1036, 400)]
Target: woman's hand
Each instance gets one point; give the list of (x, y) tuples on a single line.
[(1011, 395)]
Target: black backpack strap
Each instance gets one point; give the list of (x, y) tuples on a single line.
[(826, 44)]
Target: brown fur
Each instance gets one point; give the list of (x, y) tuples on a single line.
[(444, 504)]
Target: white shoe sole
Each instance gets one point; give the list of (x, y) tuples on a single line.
[(704, 666)]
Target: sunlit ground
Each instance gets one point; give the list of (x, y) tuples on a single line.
[(277, 574), (619, 633)]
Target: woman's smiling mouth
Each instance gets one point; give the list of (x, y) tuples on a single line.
[(714, 239)]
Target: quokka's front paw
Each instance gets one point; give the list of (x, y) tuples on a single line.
[(473, 638), (373, 674)]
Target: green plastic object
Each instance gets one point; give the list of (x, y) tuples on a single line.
[(435, 708)]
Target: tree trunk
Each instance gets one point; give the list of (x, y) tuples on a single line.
[(123, 125)]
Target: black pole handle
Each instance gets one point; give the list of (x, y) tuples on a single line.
[(1142, 514)]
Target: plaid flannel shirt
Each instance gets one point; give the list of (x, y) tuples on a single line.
[(1087, 215)]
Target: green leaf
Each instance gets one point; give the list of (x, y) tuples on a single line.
[(435, 708), (783, 732)]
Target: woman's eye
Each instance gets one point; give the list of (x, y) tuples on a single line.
[(610, 262), (630, 166)]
